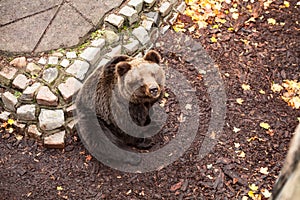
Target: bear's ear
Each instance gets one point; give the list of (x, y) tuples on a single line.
[(152, 56), (123, 68)]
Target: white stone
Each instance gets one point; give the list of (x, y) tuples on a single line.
[(53, 60), (141, 34), (51, 119), (147, 24), (111, 37), (7, 74), (46, 97), (33, 68), (100, 43), (78, 69), (65, 63), (69, 88), (30, 91), (50, 74), (137, 4), (71, 55), (19, 62), (4, 115), (115, 20), (26, 112), (181, 8), (20, 82), (57, 140), (165, 8), (130, 13), (91, 54), (42, 61), (33, 131), (116, 51), (9, 101), (132, 46)]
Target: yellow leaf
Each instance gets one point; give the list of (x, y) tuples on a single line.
[(264, 170), (276, 87), (10, 121), (216, 26), (253, 187), (262, 92), (286, 4), (213, 39), (230, 29), (245, 86), (59, 188), (240, 101), (266, 193), (264, 125), (271, 21), (251, 194), (178, 29)]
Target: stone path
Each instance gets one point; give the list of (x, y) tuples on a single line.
[(39, 25), (41, 91)]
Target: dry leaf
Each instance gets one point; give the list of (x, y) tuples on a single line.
[(264, 170), (253, 187), (239, 101), (266, 193), (245, 86), (271, 21), (264, 125), (276, 87), (235, 129)]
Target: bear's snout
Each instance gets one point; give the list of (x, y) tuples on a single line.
[(153, 90)]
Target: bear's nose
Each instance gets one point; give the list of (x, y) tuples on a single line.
[(153, 90)]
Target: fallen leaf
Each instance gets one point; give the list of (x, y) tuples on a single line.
[(262, 92), (286, 4), (88, 158), (266, 193), (246, 87), (235, 129), (276, 87), (264, 125), (59, 188), (237, 145), (176, 186), (241, 154), (128, 192), (213, 39), (19, 137), (253, 187), (270, 132), (10, 121), (271, 21), (264, 170), (239, 101), (235, 15)]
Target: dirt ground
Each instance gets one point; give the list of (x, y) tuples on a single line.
[(30, 171)]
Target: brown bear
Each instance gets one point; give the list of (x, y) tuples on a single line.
[(125, 90)]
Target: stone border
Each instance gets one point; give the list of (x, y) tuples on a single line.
[(40, 96)]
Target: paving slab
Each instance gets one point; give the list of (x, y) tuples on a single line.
[(12, 10), (23, 35), (66, 30), (28, 26)]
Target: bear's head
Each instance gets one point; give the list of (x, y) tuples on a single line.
[(141, 80)]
